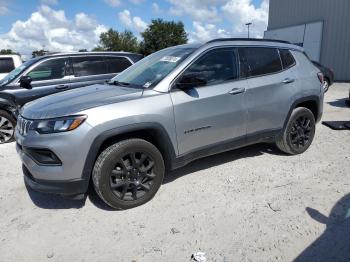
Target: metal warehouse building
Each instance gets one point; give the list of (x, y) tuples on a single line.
[(322, 27)]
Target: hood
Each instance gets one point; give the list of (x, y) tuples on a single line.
[(77, 100)]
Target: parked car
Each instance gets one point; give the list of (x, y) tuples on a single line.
[(174, 106), (328, 75), (8, 63), (55, 73)]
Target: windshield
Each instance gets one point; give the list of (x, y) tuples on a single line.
[(148, 72), (15, 72)]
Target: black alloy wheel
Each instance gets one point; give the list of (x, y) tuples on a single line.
[(298, 133), (133, 176), (301, 131), (128, 173)]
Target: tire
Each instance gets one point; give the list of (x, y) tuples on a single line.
[(128, 173), (299, 132), (7, 127), (326, 85)]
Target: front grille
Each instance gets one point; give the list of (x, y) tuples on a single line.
[(23, 125)]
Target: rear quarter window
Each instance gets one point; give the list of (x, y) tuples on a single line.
[(256, 61), (287, 58), (6, 65)]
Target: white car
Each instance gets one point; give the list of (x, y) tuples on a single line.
[(8, 63)]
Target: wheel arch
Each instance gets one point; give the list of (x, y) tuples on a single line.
[(151, 132), (310, 102), (7, 104)]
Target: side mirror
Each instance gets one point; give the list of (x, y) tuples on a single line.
[(25, 82), (189, 81)]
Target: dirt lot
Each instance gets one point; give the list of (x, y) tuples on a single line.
[(244, 205)]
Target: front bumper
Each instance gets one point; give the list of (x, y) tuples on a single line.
[(68, 188), (65, 177)]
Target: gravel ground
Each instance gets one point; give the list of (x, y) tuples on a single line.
[(245, 205)]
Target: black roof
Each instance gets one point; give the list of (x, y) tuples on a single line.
[(248, 39)]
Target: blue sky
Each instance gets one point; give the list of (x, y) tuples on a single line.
[(66, 25)]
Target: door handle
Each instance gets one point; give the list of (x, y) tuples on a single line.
[(236, 91), (61, 87), (288, 81)]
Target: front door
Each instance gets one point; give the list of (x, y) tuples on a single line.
[(48, 77), (213, 112)]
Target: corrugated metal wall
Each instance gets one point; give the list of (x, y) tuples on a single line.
[(335, 50)]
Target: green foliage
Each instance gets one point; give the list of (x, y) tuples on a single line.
[(113, 40), (161, 34), (37, 53), (7, 52)]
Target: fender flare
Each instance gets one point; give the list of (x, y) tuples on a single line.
[(167, 146)]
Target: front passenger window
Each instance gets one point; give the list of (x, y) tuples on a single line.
[(49, 70), (215, 67)]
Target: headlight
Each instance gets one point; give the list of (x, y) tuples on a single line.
[(58, 125)]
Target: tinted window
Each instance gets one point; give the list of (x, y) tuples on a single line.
[(117, 64), (216, 66), (259, 61), (6, 65), (89, 65), (287, 58), (48, 70)]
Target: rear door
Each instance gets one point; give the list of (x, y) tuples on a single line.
[(270, 89), (96, 69), (214, 113)]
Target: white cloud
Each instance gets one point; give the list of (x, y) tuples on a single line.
[(51, 30), (132, 23), (205, 32), (155, 8), (113, 3), (199, 10), (235, 13), (240, 12)]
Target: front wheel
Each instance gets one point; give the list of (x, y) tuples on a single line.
[(299, 132), (7, 127), (128, 173)]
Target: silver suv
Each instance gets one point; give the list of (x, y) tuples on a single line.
[(174, 106)]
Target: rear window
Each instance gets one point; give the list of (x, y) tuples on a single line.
[(89, 65), (6, 65), (257, 61), (117, 64), (287, 58)]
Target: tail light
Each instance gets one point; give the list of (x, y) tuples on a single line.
[(320, 77)]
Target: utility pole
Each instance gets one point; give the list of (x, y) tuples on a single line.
[(248, 24)]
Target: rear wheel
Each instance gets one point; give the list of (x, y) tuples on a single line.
[(298, 133), (128, 173), (7, 127), (325, 85)]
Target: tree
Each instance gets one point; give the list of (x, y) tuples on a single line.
[(161, 34), (83, 50), (37, 53), (113, 40), (7, 52)]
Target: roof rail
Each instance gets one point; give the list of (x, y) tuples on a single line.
[(248, 39)]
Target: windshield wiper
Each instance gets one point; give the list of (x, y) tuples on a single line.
[(117, 83)]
